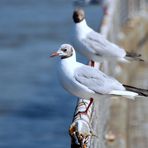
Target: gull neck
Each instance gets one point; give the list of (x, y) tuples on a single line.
[(82, 29), (70, 59), (82, 23)]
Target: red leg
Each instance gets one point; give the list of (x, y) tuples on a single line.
[(92, 63), (85, 112)]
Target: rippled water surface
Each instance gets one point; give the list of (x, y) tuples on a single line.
[(34, 110)]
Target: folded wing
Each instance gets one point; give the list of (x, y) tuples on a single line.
[(96, 80), (100, 46)]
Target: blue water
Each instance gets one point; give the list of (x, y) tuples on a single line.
[(35, 111)]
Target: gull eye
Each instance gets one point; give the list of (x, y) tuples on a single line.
[(65, 50)]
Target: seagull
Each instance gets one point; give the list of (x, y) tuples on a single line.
[(93, 45), (87, 82)]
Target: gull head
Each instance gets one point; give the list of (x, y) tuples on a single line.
[(78, 15), (65, 51)]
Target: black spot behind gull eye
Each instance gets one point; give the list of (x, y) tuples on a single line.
[(65, 50)]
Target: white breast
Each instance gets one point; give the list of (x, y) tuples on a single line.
[(67, 80)]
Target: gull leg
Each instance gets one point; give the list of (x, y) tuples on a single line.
[(92, 63), (85, 112)]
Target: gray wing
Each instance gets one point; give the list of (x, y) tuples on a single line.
[(101, 46), (96, 80)]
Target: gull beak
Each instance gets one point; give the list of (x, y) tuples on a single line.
[(54, 54)]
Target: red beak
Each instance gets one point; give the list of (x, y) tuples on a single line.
[(54, 54)]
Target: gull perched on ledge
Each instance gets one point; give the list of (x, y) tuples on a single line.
[(93, 45), (87, 82)]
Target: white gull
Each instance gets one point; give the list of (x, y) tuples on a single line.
[(93, 45), (87, 82)]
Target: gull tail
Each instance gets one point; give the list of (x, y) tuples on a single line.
[(124, 93), (139, 91), (132, 56)]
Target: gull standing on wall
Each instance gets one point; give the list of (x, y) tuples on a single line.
[(87, 82), (93, 45)]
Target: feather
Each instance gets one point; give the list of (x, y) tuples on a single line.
[(140, 91), (127, 94)]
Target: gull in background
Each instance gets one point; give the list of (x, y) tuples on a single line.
[(93, 45), (87, 82)]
